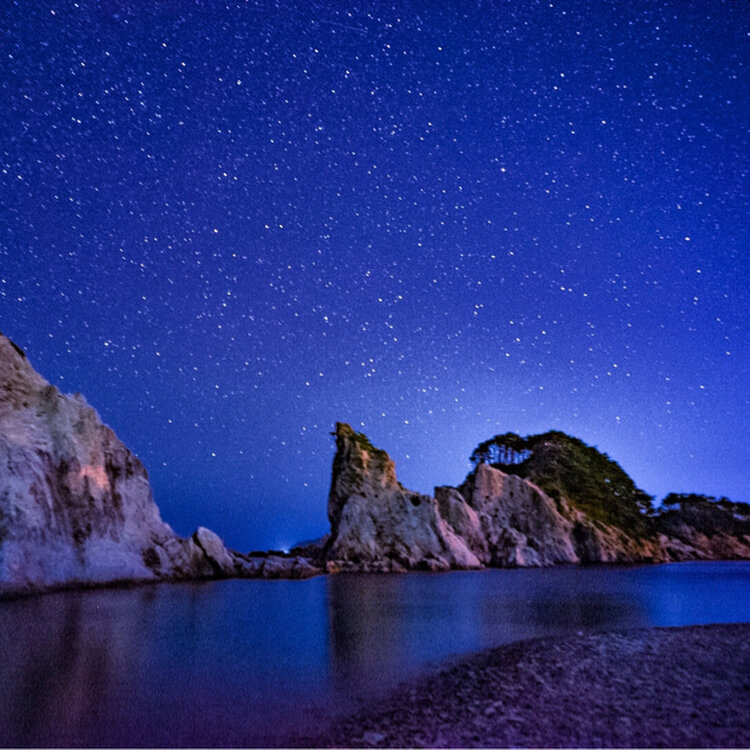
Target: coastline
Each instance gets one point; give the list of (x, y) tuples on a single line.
[(315, 568), (657, 687)]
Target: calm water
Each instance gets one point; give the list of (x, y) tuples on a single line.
[(245, 662)]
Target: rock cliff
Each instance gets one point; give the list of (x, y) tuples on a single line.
[(551, 499), (76, 507), (377, 524)]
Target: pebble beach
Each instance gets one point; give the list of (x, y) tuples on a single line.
[(660, 687)]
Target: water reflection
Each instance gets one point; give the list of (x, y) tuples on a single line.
[(363, 629), (384, 628), (565, 599), (59, 657), (585, 611), (246, 662)]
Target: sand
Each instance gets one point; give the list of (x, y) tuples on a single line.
[(661, 687)]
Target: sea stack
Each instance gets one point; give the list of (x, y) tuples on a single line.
[(76, 506), (379, 525)]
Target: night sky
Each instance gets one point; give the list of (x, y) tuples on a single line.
[(230, 225)]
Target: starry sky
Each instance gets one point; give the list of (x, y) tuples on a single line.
[(231, 224)]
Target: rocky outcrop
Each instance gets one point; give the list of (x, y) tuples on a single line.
[(464, 521), (502, 519), (76, 507), (276, 566), (311, 549), (521, 525), (377, 524), (697, 527), (524, 526), (493, 518)]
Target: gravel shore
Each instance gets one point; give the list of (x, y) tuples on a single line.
[(662, 687)]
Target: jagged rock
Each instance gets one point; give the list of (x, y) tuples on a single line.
[(464, 521), (311, 548), (493, 518), (521, 524), (221, 560), (601, 542), (287, 567), (502, 519), (524, 526), (377, 524), (696, 545), (606, 516), (76, 507)]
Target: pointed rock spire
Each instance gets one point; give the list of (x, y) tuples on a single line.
[(376, 523)]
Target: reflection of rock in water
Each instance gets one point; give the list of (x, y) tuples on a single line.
[(537, 615), (40, 659), (585, 610), (364, 633), (66, 663)]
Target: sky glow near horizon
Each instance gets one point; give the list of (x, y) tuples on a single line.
[(230, 225)]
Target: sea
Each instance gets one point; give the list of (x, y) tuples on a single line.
[(257, 663)]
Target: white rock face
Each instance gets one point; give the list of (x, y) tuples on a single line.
[(493, 519), (377, 524), (76, 506), (464, 521), (522, 525)]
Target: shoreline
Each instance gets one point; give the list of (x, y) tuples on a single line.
[(655, 687), (8, 594)]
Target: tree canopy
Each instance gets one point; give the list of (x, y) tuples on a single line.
[(709, 514), (564, 466)]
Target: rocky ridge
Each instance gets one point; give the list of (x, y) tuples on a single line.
[(499, 518), (76, 506)]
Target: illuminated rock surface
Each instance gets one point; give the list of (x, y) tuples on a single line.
[(76, 507), (377, 524)]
